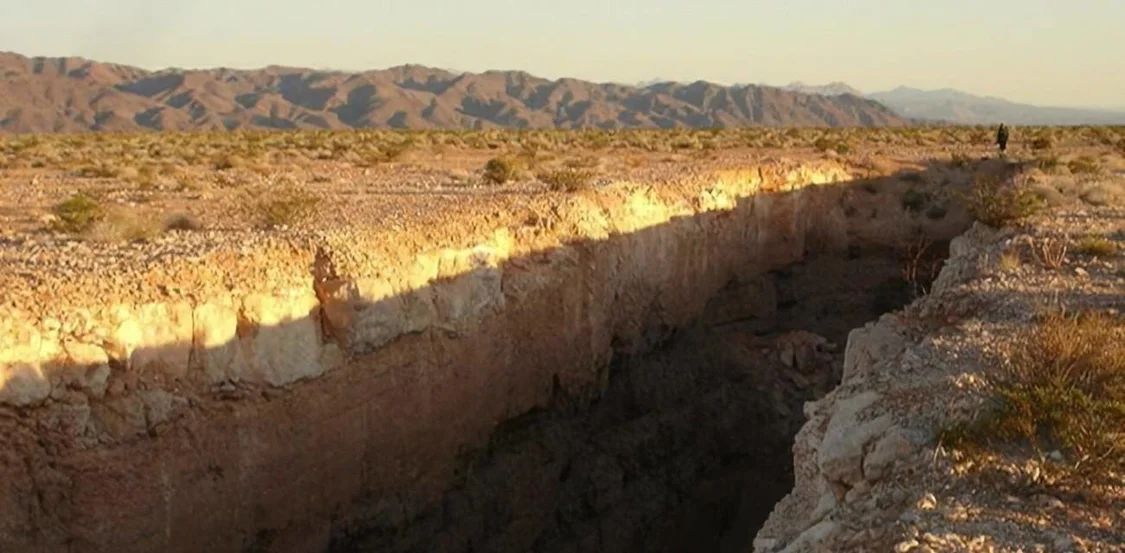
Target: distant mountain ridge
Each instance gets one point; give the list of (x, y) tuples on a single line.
[(74, 94), (964, 108), (952, 106), (835, 88)]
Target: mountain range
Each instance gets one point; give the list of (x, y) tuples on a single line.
[(39, 94), (961, 107), (831, 89), (953, 106)]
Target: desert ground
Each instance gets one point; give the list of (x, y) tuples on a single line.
[(140, 185)]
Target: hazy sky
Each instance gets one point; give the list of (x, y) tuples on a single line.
[(1059, 52)]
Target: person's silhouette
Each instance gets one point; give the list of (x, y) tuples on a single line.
[(1002, 137)]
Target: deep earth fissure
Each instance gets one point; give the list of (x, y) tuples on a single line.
[(688, 448)]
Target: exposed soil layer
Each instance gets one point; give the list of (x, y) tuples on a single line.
[(689, 446), (601, 374)]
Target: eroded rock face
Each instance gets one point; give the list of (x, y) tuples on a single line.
[(866, 432), (286, 417)]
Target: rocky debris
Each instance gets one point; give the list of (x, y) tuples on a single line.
[(871, 475)]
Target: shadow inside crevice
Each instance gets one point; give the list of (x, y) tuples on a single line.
[(541, 403)]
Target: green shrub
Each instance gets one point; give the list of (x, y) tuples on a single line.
[(78, 213), (997, 203), (1062, 388), (1097, 246), (500, 170)]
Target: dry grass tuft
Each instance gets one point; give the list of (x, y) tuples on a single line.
[(1097, 246), (123, 226), (1050, 253), (1010, 261), (1084, 165), (568, 180), (1061, 389)]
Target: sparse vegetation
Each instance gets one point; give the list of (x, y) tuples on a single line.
[(914, 200), (500, 170), (181, 221), (1084, 165), (921, 263), (291, 205), (1048, 163), (1010, 261), (120, 225), (78, 213), (997, 202), (1061, 388), (1050, 253), (1042, 143), (569, 179), (1097, 246), (961, 160)]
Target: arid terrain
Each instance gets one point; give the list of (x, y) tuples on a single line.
[(74, 94), (560, 341)]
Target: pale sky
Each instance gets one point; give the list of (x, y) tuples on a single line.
[(1049, 52)]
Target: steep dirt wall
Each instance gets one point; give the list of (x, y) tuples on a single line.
[(344, 388)]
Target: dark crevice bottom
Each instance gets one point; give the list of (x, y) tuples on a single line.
[(686, 450)]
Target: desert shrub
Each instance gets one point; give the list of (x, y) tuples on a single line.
[(395, 151), (914, 200), (288, 206), (227, 162), (123, 226), (569, 179), (960, 159), (582, 162), (77, 213), (937, 212), (824, 144), (635, 161), (998, 203), (1042, 143), (1062, 388), (500, 170), (102, 170), (1049, 253), (1097, 246), (1084, 165), (920, 265), (1047, 162), (181, 221)]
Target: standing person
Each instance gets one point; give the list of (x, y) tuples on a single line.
[(1002, 137)]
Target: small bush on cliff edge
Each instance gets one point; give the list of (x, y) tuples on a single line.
[(1062, 388), (999, 203)]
